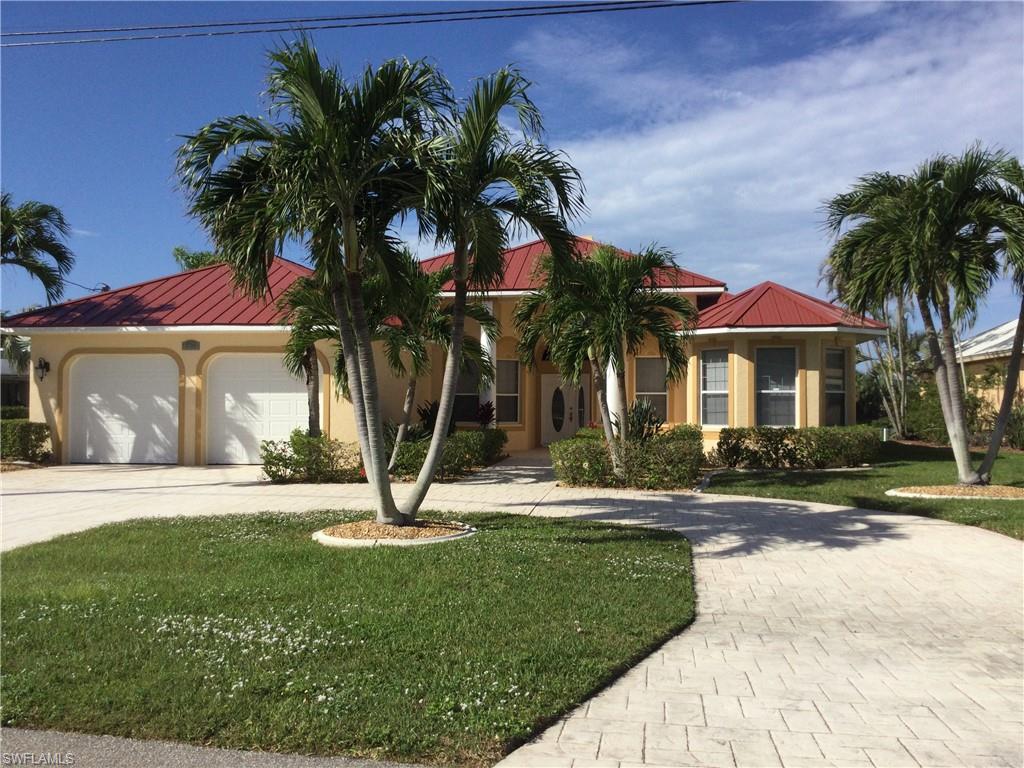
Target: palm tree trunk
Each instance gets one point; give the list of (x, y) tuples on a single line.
[(958, 432), (312, 369), (446, 402), (620, 382), (348, 351), (403, 428), (1006, 406), (387, 510), (600, 374)]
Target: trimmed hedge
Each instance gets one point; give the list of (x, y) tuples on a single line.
[(23, 440), (463, 450), (791, 448), (669, 460), (13, 412), (305, 459)]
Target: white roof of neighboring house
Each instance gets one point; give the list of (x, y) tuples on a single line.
[(995, 342)]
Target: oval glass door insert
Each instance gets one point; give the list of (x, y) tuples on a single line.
[(557, 409)]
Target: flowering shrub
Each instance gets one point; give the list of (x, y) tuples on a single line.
[(463, 451), (667, 460), (581, 461), (790, 448), (305, 459)]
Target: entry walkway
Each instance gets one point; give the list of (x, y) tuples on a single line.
[(825, 635)]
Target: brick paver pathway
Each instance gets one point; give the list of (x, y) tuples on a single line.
[(825, 635)]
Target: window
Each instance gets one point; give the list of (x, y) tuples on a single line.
[(714, 387), (776, 387), (506, 392), (651, 383), (835, 387), (467, 393)]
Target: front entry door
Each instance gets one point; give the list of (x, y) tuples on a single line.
[(559, 411)]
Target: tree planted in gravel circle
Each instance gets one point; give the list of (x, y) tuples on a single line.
[(939, 237), (338, 163)]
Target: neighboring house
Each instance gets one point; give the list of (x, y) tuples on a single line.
[(184, 369), (985, 358)]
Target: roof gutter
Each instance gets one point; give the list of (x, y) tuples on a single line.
[(792, 329), (52, 329)]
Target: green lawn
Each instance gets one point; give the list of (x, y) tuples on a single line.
[(242, 632), (901, 465)]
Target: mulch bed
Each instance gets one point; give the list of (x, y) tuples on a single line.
[(369, 529), (966, 491)]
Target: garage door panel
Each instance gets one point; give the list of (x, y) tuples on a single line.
[(251, 398), (123, 409)]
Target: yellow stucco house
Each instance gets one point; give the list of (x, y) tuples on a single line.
[(985, 358), (183, 369)]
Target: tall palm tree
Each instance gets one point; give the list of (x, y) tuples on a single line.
[(33, 236), (598, 310), (406, 322), (485, 186), (335, 165), (1012, 224), (938, 236)]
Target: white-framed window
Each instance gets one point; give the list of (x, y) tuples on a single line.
[(776, 386), (467, 393), (714, 387), (506, 392), (651, 376), (835, 387)]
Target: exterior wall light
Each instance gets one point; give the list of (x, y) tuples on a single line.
[(42, 368)]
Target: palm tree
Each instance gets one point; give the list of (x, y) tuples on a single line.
[(598, 310), (485, 186), (335, 171), (406, 317), (17, 350), (1012, 225), (937, 237), (33, 239), (189, 259)]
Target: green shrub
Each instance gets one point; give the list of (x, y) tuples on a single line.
[(1015, 427), (23, 440), (642, 421), (731, 448), (463, 451), (13, 412), (924, 417), (668, 460), (305, 459), (590, 433), (791, 448), (582, 461)]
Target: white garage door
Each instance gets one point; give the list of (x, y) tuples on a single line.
[(252, 398), (123, 409)]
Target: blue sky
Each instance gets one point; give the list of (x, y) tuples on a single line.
[(715, 131)]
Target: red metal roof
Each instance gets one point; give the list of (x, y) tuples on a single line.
[(205, 296), (770, 305), (521, 267)]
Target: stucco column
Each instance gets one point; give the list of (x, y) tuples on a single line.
[(612, 393), (487, 348)]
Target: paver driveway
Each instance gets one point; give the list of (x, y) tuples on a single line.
[(825, 635)]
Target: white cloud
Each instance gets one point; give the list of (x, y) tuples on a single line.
[(730, 168)]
